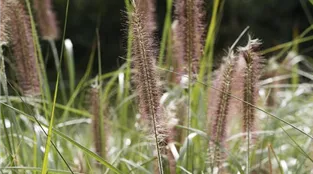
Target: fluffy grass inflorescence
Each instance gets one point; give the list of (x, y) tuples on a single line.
[(224, 82), (3, 23), (46, 19), (100, 138), (81, 137), (189, 32), (252, 73), (23, 48), (146, 79), (147, 9)]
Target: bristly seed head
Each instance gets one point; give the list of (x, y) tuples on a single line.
[(189, 33), (147, 9), (4, 17), (146, 79), (23, 48), (254, 63), (46, 19), (224, 83), (100, 136)]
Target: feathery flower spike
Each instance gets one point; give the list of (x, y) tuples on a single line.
[(23, 48), (146, 79), (252, 73), (189, 32), (224, 82), (46, 19)]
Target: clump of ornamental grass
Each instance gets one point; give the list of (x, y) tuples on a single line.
[(23, 48), (238, 77), (46, 19), (98, 120), (219, 113), (254, 63), (188, 34), (146, 79)]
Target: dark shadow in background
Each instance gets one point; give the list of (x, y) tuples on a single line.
[(271, 20)]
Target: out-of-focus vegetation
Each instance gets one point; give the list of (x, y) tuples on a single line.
[(271, 20), (115, 82)]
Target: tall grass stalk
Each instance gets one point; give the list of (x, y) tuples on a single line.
[(125, 108), (4, 87), (221, 109), (59, 69), (252, 74), (235, 95), (69, 57), (146, 80), (166, 31), (49, 135)]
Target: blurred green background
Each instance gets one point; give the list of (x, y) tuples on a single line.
[(273, 21)]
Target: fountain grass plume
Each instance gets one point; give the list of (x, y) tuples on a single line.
[(4, 17), (23, 49), (98, 125), (189, 32), (146, 79), (254, 63), (220, 111), (46, 19), (147, 8)]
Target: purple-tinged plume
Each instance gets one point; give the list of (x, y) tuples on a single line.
[(146, 79), (23, 49), (254, 63), (219, 113), (99, 127), (189, 33), (46, 19), (4, 17)]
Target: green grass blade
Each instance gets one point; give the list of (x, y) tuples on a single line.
[(54, 131), (82, 81), (59, 69), (32, 169), (287, 44), (166, 30), (209, 43), (69, 58), (87, 151), (298, 146), (46, 160), (124, 110), (49, 136)]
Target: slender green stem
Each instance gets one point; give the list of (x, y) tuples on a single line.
[(59, 69), (166, 30)]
